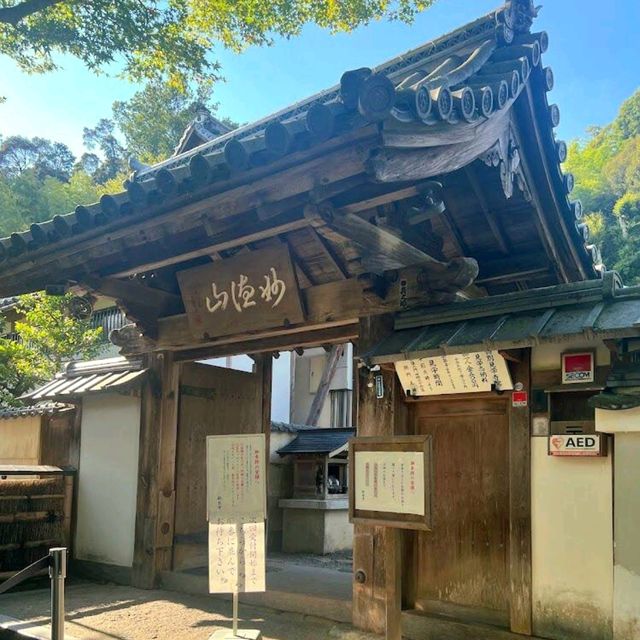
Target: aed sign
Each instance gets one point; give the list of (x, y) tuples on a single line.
[(576, 445)]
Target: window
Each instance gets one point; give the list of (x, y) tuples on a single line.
[(340, 408)]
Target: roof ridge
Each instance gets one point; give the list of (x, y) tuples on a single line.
[(403, 62)]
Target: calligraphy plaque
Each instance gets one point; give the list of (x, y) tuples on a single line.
[(253, 291), (460, 373), (391, 481)]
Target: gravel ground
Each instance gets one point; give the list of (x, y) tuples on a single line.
[(103, 611)]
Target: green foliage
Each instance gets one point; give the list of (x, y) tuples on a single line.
[(40, 178), (113, 158), (45, 158), (20, 370), (155, 39), (50, 336), (26, 198), (607, 171), (153, 120)]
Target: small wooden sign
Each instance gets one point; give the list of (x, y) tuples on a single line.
[(253, 291), (390, 481)]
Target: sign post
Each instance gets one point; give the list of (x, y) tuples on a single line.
[(236, 511)]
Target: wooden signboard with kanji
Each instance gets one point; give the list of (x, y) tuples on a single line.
[(249, 292), (390, 480)]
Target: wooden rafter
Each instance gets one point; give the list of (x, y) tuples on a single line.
[(490, 217), (235, 239), (381, 249)]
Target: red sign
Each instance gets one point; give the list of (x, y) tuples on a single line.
[(519, 399), (577, 367)]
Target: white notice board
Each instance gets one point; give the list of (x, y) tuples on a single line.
[(236, 511), (462, 373), (236, 489), (236, 558), (390, 481)]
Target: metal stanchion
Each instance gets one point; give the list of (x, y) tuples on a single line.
[(57, 573)]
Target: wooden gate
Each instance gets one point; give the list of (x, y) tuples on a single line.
[(213, 401), (461, 568)]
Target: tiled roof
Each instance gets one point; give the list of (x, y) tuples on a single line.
[(8, 303), (475, 72), (40, 409), (595, 309), (94, 376), (320, 441)]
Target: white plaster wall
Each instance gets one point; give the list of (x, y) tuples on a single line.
[(107, 483), (623, 421), (572, 545), (547, 356), (303, 371), (626, 602)]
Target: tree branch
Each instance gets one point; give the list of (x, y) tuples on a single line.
[(13, 15)]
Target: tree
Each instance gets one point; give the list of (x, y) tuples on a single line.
[(20, 370), (26, 198), (50, 337), (153, 119), (607, 171), (46, 158), (155, 39), (113, 160)]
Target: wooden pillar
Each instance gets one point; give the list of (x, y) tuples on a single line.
[(156, 470), (377, 550), (520, 501), (264, 369)]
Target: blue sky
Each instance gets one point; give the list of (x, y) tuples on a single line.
[(594, 52)]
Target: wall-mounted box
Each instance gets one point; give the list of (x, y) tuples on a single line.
[(578, 445)]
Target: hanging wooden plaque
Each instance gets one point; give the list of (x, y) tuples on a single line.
[(249, 292), (390, 481)]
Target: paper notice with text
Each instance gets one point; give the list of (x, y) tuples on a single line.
[(236, 558), (390, 481), (236, 510)]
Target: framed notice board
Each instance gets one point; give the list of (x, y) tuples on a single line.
[(391, 481)]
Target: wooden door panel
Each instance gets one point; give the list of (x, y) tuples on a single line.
[(213, 401), (464, 560)]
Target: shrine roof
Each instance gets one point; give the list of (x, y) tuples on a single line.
[(458, 89), (318, 441), (592, 310)]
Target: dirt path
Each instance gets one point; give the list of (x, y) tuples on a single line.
[(100, 612)]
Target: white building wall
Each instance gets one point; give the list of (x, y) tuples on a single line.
[(108, 479), (306, 371), (625, 427), (572, 545)]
